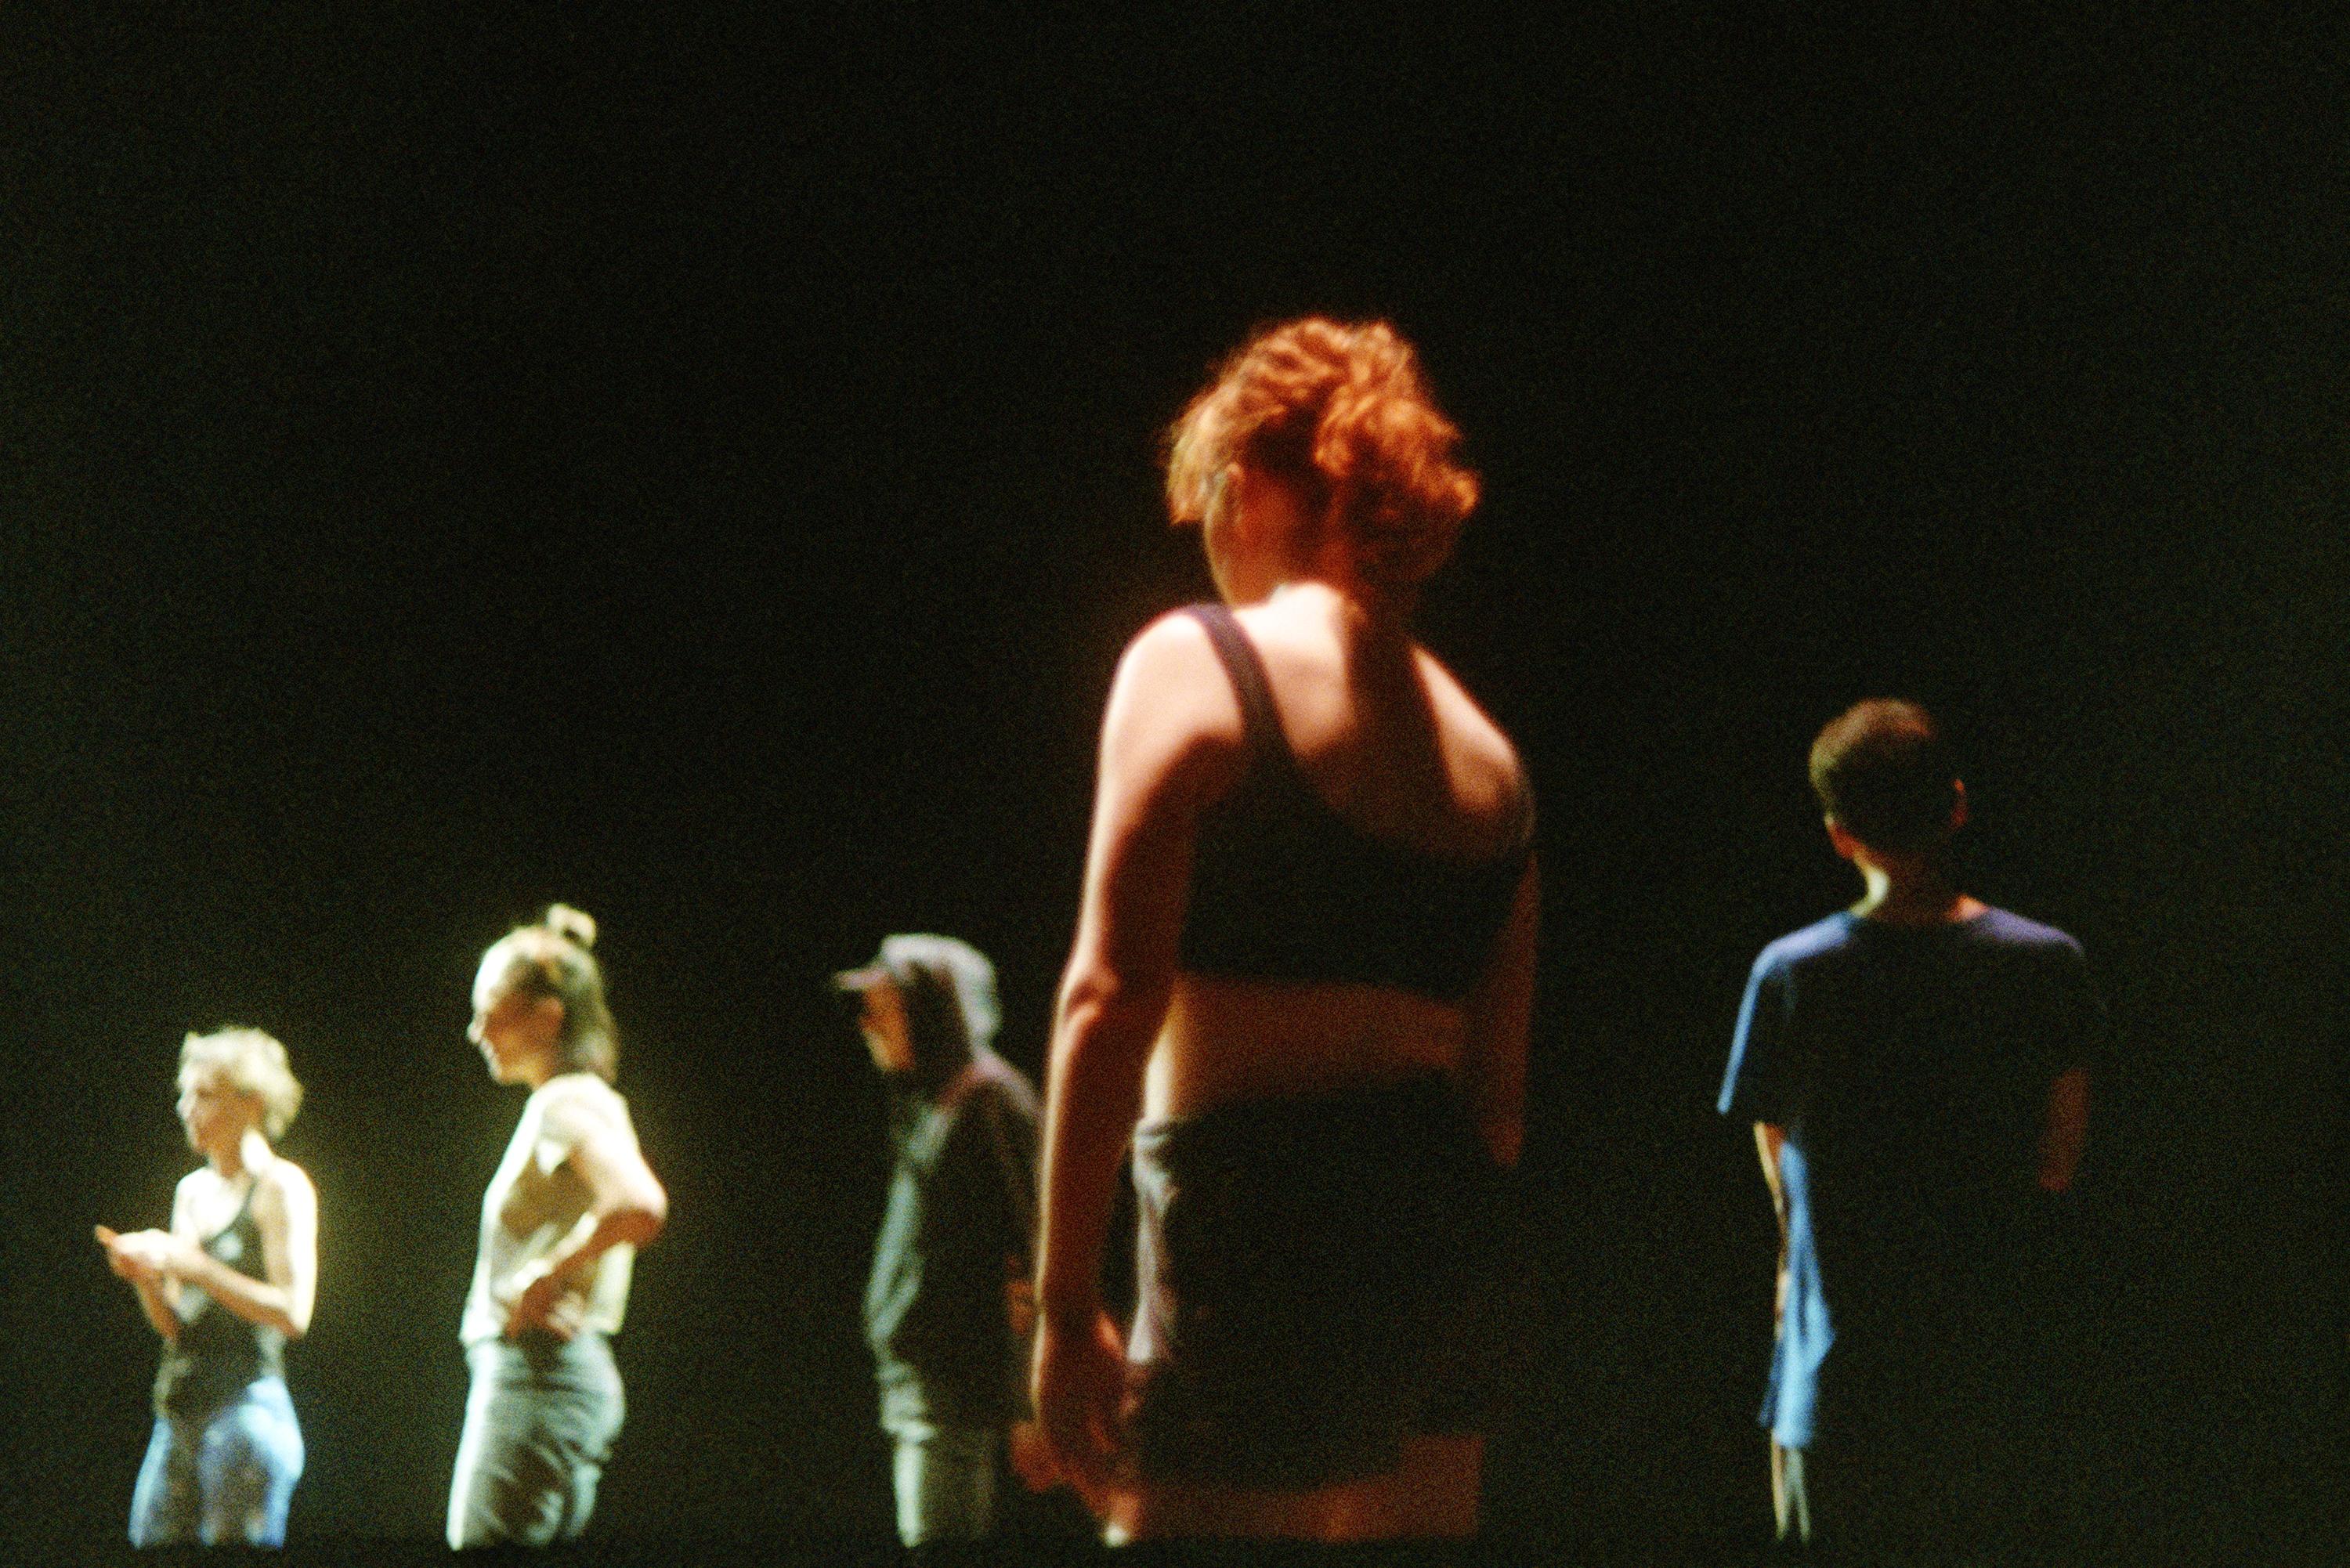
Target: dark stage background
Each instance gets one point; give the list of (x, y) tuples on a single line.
[(700, 466)]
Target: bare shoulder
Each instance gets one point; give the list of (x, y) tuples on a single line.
[(284, 1186), (1171, 707), (572, 1099), (1168, 656), (1478, 752)]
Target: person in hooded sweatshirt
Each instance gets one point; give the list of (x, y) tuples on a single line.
[(949, 1307)]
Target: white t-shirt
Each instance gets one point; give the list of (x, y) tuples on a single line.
[(536, 1206)]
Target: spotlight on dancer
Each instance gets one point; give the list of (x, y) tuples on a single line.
[(949, 1309), (226, 1286), (1916, 1068), (570, 1204), (1304, 963)]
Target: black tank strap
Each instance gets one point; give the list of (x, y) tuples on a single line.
[(1259, 719)]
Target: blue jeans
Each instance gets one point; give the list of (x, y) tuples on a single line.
[(539, 1425), (222, 1477), (945, 1481)]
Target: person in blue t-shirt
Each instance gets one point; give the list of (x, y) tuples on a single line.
[(1916, 1071)]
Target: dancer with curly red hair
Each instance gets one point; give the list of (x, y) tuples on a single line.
[(1301, 986)]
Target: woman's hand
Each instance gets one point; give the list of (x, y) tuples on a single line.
[(1079, 1384), (135, 1262), (125, 1264), (1031, 1457), (544, 1304), (158, 1255)]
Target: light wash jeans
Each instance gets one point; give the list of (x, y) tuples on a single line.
[(945, 1479), (539, 1425), (222, 1479)]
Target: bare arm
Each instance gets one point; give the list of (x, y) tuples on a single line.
[(1499, 1016), (2066, 1131), (153, 1300), (1160, 756), (1768, 1141), (1171, 734), (285, 1212), (625, 1203)]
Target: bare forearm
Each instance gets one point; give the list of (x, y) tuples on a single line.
[(633, 1224), (154, 1300), (1768, 1139), (2066, 1133), (1094, 1099), (1500, 1018), (255, 1301), (1495, 1085)]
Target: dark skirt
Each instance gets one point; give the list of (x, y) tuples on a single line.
[(1314, 1285)]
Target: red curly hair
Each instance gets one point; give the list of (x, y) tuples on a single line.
[(1343, 416)]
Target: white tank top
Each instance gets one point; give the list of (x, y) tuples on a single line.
[(536, 1206)]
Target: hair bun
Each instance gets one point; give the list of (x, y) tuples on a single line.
[(1343, 414), (575, 925)]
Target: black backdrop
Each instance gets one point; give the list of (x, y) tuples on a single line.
[(701, 467)]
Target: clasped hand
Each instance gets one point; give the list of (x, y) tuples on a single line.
[(154, 1256)]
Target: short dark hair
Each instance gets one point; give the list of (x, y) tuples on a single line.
[(1882, 772)]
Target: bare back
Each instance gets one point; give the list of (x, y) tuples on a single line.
[(1387, 739)]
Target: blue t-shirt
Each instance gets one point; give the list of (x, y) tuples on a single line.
[(1909, 1068)]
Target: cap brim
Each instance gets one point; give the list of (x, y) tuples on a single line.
[(865, 978)]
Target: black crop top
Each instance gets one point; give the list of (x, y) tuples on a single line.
[(1285, 888)]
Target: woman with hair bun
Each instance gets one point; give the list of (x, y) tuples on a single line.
[(570, 1204), (1303, 966), (226, 1286)]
